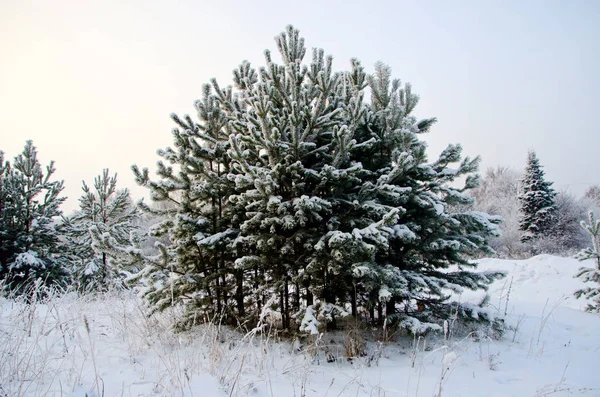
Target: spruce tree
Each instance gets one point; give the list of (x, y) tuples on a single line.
[(592, 274), (537, 202), (293, 194), (30, 245), (109, 211)]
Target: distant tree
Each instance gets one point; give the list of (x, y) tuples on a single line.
[(146, 224), (497, 185), (593, 194), (498, 194), (591, 274), (568, 234), (30, 248), (109, 211), (538, 208)]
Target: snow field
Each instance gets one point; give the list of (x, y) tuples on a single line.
[(107, 346)]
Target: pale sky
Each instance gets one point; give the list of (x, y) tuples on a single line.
[(93, 82)]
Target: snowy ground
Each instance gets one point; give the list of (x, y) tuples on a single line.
[(108, 347)]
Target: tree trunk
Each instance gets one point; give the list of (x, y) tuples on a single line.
[(281, 307), (218, 292), (104, 272), (353, 301), (309, 296), (258, 297), (239, 293), (390, 307), (286, 291), (225, 295), (296, 297)]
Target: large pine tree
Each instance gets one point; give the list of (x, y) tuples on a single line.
[(30, 248), (292, 190), (109, 211), (537, 202)]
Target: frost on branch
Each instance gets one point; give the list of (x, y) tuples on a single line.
[(317, 314), (591, 274)]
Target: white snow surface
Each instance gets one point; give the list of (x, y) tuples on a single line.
[(552, 349)]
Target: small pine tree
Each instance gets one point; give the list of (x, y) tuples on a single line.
[(538, 208), (592, 274), (110, 212), (30, 247), (6, 211)]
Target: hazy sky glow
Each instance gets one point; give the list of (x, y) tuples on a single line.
[(93, 82)]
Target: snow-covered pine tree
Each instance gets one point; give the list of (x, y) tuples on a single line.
[(291, 133), (427, 238), (197, 267), (293, 193), (339, 195), (30, 245), (537, 202), (111, 212), (7, 236), (5, 215), (591, 274)]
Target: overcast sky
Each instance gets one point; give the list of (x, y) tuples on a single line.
[(93, 82)]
